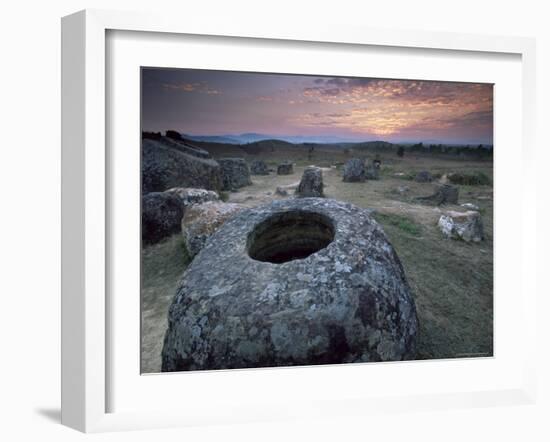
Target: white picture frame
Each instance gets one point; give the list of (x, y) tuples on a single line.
[(85, 214)]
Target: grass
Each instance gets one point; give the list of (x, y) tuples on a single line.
[(162, 265), (452, 284), (470, 179), (403, 223)]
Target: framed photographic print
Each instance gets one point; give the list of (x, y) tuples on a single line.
[(290, 222), (303, 276)]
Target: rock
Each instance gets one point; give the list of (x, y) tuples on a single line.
[(311, 184), (444, 194), (285, 169), (185, 147), (372, 172), (281, 191), (163, 167), (259, 167), (202, 220), (401, 190), (470, 206), (467, 226), (424, 177), (173, 135), (294, 282), (354, 171), (190, 196), (161, 215), (235, 173), (449, 193)]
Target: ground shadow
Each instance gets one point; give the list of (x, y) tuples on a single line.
[(51, 414)]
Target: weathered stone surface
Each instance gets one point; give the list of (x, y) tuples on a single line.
[(294, 282), (259, 167), (285, 169), (449, 193), (235, 173), (470, 206), (424, 177), (161, 215), (190, 196), (186, 147), (467, 226), (163, 167), (311, 184), (444, 194), (202, 220), (281, 191), (372, 172), (354, 171)]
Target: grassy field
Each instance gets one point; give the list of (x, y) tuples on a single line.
[(452, 281)]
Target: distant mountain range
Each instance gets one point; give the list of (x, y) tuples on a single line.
[(254, 137)]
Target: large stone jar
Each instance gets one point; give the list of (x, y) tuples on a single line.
[(295, 282)]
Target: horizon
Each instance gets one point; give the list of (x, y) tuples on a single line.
[(206, 103), (265, 137)]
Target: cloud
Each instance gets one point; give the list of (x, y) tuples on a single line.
[(199, 87), (388, 107), (407, 92), (386, 115)]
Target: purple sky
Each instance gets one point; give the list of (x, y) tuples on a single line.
[(204, 102)]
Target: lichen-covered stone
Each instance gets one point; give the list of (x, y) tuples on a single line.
[(186, 147), (202, 220), (164, 167), (311, 184), (467, 226), (190, 196), (235, 173), (470, 206), (423, 177), (294, 282), (259, 167), (444, 194), (161, 215), (354, 171), (285, 169), (372, 172)]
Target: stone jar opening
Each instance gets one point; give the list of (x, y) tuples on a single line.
[(290, 235)]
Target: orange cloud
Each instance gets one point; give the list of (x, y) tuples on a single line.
[(388, 107)]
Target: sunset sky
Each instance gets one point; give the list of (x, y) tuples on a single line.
[(201, 102)]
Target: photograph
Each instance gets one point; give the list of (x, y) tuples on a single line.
[(307, 219)]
